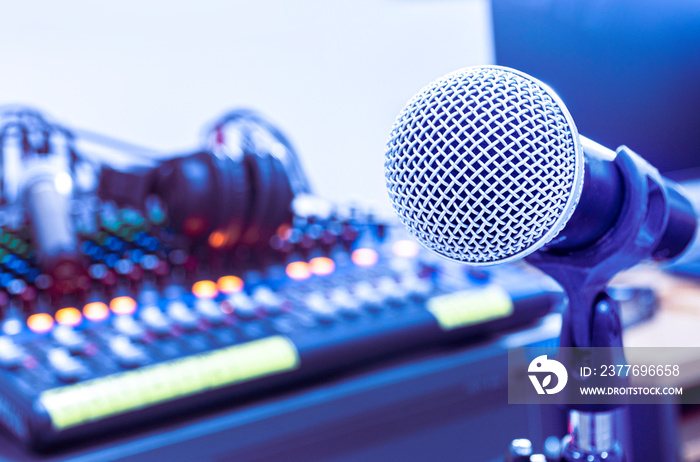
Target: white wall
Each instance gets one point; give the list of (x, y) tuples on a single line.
[(332, 74)]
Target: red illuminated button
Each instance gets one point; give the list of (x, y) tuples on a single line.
[(40, 322)]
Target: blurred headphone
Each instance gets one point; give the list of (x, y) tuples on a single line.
[(231, 193)]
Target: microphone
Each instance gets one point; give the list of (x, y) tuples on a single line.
[(486, 166), (45, 190)]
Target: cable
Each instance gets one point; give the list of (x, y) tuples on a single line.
[(130, 149), (35, 133)]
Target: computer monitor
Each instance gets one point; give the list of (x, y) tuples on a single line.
[(628, 70)]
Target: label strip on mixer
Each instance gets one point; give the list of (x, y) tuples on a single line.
[(99, 398)]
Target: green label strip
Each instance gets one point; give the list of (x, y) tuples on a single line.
[(469, 307), (115, 394)]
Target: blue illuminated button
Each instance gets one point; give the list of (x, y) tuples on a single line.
[(88, 247), (20, 267), (11, 354), (224, 337), (127, 353), (32, 275), (154, 319), (348, 304), (198, 341), (8, 260), (209, 310), (418, 288), (67, 367), (322, 308), (114, 244), (372, 298), (183, 316), (128, 326), (265, 297), (283, 324), (5, 279), (392, 291), (243, 306), (72, 340)]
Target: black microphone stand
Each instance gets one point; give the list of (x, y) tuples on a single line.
[(592, 317)]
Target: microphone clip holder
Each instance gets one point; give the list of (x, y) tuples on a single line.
[(592, 317)]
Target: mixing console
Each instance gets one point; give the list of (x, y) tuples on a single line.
[(155, 329), (165, 290)]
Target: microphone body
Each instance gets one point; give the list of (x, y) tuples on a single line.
[(603, 195)]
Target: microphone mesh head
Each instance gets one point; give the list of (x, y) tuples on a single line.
[(484, 165)]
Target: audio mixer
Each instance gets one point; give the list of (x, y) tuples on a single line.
[(130, 307)]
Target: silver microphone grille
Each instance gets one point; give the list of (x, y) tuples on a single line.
[(484, 165)]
